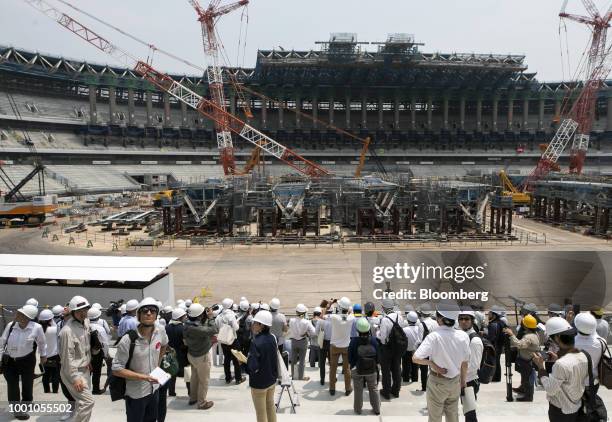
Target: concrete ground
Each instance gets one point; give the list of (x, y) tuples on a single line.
[(233, 402)]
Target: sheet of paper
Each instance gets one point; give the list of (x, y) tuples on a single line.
[(239, 355), (468, 400), (160, 375)]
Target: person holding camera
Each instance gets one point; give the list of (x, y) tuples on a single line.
[(198, 333), (18, 345), (495, 334), (526, 346)]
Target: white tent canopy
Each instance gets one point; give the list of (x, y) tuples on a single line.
[(83, 267)]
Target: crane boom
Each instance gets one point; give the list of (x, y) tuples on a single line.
[(182, 93)]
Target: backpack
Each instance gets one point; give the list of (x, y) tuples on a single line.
[(94, 342), (605, 366), (488, 363), (425, 330), (169, 362), (243, 333), (366, 359), (116, 385), (397, 338), (593, 408)]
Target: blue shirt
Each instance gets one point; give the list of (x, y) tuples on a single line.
[(262, 363), (354, 345), (127, 323)]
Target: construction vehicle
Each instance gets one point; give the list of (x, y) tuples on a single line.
[(508, 189)]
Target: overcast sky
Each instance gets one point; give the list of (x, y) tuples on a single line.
[(529, 27)]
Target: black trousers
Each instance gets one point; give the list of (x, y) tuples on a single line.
[(471, 416), (51, 376), (556, 415), (410, 371), (323, 358), (21, 369), (281, 349), (96, 370), (228, 359), (424, 374), (162, 405), (142, 410), (525, 369), (497, 374), (391, 372)]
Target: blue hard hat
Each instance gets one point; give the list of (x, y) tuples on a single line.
[(357, 307)]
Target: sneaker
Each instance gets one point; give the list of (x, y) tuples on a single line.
[(66, 417), (22, 416), (240, 381), (206, 405), (332, 392), (306, 379), (322, 382), (348, 393), (385, 395)]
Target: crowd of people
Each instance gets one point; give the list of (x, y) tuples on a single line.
[(452, 349)]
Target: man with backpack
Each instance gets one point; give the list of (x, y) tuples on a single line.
[(363, 359), (466, 323), (393, 345), (428, 325)]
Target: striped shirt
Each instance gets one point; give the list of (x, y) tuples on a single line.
[(565, 385)]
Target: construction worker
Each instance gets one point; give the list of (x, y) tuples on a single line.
[(391, 358), (603, 327), (174, 331), (313, 348), (244, 326), (128, 321), (414, 335), (324, 325), (299, 331), (198, 333), (166, 313), (565, 385), (429, 324), (496, 336), (75, 354), (555, 310), (150, 341), (369, 311), (97, 359), (18, 345), (341, 325), (262, 367), (357, 314), (227, 317), (466, 323), (51, 377), (58, 314), (589, 341), (446, 352), (526, 346), (279, 328), (32, 302), (363, 359)]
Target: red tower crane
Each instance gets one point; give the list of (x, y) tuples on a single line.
[(208, 18), (183, 94), (578, 120)]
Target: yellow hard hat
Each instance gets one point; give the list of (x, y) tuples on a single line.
[(598, 311), (530, 322)]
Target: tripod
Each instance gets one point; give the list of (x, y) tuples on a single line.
[(291, 393)]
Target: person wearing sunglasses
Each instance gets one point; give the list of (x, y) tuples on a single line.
[(141, 389)]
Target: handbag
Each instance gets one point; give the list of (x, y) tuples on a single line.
[(320, 338), (226, 335), (605, 366), (5, 356), (593, 408)]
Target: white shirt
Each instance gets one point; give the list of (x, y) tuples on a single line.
[(103, 333), (414, 335), (341, 325), (386, 324), (593, 345), (446, 347), (300, 328), (476, 349), (431, 324), (227, 317), (21, 341), (325, 325), (51, 340), (603, 329), (565, 385)]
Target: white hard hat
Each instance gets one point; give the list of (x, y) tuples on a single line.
[(148, 301), (78, 302), (235, 307), (387, 303), (301, 308), (45, 315), (467, 311), (30, 311), (182, 306), (178, 313), (32, 301), (244, 305), (275, 304), (426, 309), (58, 310), (195, 310), (265, 307), (161, 322), (408, 308), (168, 309), (160, 305), (558, 325), (263, 317), (188, 303), (317, 310), (255, 305), (123, 309), (449, 310), (498, 310), (585, 323), (243, 298), (178, 302), (131, 305), (479, 318), (227, 303), (344, 303), (93, 313), (412, 316), (96, 305)]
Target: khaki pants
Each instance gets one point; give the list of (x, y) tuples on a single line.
[(443, 398), (84, 399), (334, 355), (263, 399), (200, 374)]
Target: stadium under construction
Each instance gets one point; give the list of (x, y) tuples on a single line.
[(439, 129)]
